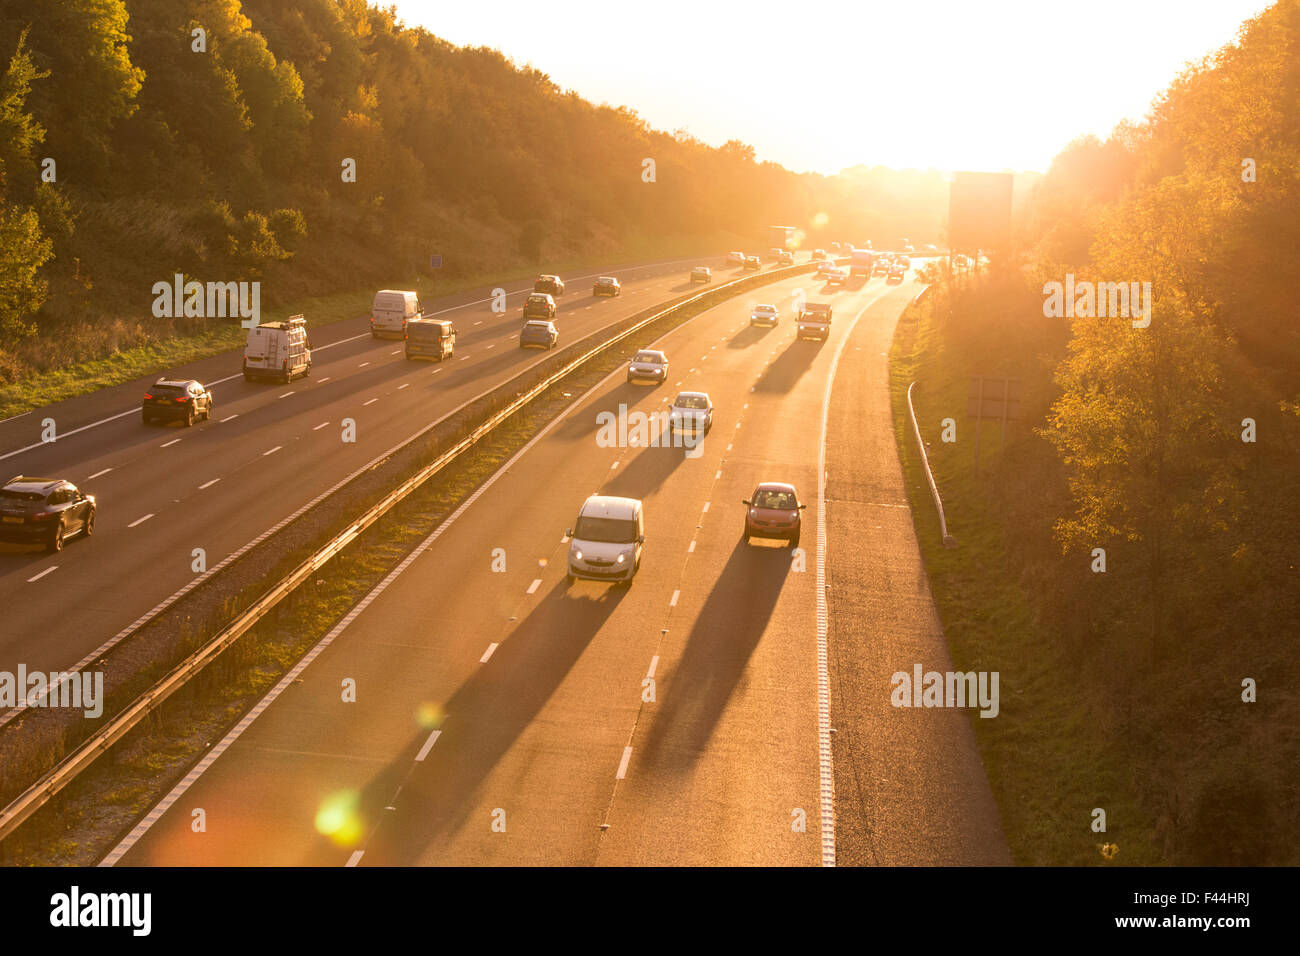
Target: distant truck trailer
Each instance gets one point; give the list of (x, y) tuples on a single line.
[(779, 237), (861, 262)]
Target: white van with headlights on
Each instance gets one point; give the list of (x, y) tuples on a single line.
[(605, 544), (390, 312)]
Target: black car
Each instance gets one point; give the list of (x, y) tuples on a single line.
[(44, 511), (552, 285), (539, 305), (607, 285), (167, 401)]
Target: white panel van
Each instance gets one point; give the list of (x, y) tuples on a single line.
[(390, 312), (605, 544)]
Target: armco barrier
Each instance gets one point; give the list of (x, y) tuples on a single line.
[(54, 780)]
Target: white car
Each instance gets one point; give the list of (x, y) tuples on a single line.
[(605, 544), (764, 315), (837, 277), (648, 364), (825, 267), (691, 412), (735, 258)]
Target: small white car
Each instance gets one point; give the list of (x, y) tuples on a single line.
[(702, 274), (837, 277), (735, 258), (691, 412), (767, 315), (605, 543), (648, 364)]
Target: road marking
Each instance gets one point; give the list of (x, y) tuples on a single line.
[(371, 402), (363, 365), (355, 858), (718, 475), (728, 448), (492, 346), (691, 548), (479, 322), (395, 352), (322, 381), (140, 520), (228, 418), (272, 451), (403, 385), (98, 473), (168, 444), (53, 567), (622, 764), (706, 506), (208, 484), (613, 466), (654, 662), (488, 653), (435, 371), (286, 394), (533, 587), (433, 739), (320, 426), (672, 602)]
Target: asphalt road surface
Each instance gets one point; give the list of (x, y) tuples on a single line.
[(506, 717)]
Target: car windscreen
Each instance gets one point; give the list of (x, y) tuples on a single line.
[(166, 391), (649, 358), (538, 300), (691, 401), (780, 500), (543, 327), (609, 530)]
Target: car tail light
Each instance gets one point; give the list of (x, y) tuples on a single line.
[(42, 515), (183, 398), (284, 363), (148, 395)]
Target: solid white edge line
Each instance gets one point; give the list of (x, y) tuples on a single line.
[(622, 764), (826, 767)]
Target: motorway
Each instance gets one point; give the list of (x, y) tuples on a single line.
[(268, 450), (505, 717)]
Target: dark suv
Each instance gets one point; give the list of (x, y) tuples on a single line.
[(552, 285), (44, 511), (168, 401), (539, 305)]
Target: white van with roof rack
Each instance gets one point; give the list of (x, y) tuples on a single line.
[(278, 350)]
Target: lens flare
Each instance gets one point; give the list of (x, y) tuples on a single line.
[(429, 715), (338, 819)]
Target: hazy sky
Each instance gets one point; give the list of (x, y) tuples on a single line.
[(952, 84)]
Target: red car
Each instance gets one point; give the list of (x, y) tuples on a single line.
[(774, 513)]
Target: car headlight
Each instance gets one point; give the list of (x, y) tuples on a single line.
[(794, 515), (753, 512), (622, 558), (577, 555)]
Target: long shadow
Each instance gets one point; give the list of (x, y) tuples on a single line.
[(718, 650), (646, 471), (750, 335), (640, 397), (790, 366), (484, 718)]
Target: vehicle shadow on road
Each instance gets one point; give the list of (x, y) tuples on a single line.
[(694, 695), (582, 424), (750, 335), (646, 471), (790, 366), (484, 719)]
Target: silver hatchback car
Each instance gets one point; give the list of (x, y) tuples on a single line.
[(648, 364)]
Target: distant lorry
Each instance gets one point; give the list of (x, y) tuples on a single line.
[(278, 350), (779, 237), (815, 321), (861, 262)]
